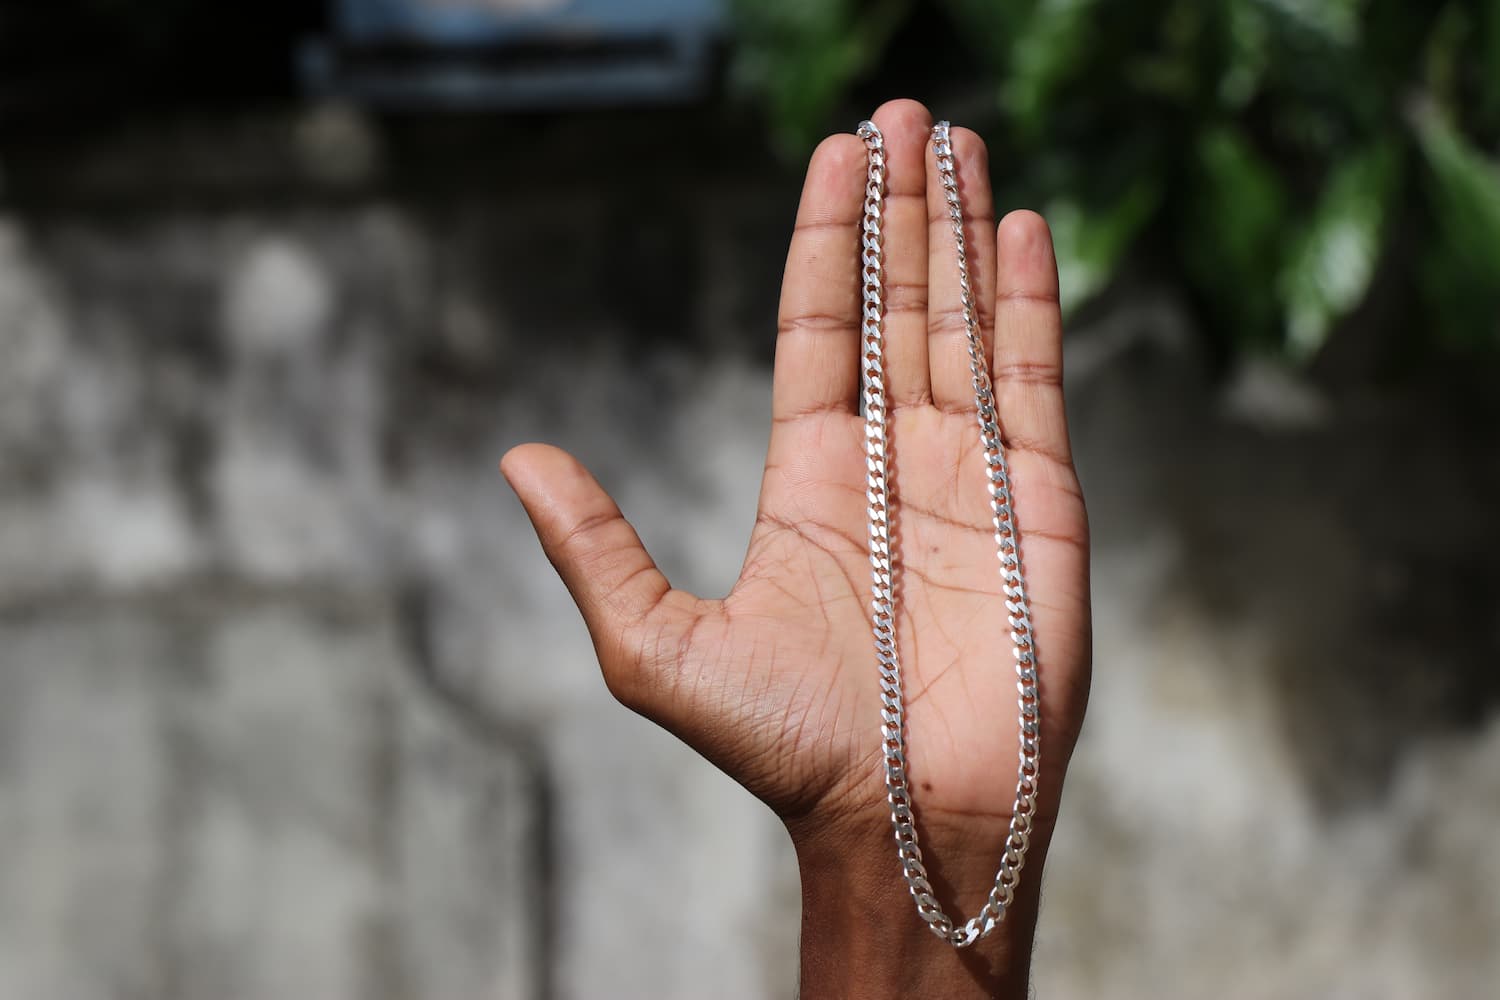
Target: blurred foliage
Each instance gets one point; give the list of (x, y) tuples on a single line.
[(1281, 157)]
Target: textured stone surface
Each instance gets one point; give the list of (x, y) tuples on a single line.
[(81, 823), (249, 797), (287, 684)]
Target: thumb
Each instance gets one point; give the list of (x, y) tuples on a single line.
[(600, 558)]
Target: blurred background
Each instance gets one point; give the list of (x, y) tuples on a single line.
[(292, 706)]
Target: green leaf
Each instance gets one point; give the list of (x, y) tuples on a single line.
[(1050, 47), (1090, 242), (801, 58), (1235, 215), (1336, 22), (1465, 191), (1334, 255), (1463, 270), (1489, 53), (1247, 52)]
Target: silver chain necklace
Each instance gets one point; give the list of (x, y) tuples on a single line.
[(883, 607)]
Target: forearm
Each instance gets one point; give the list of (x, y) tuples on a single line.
[(862, 938)]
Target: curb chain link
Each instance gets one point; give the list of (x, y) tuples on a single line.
[(1007, 540)]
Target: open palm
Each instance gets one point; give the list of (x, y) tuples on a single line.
[(777, 683)]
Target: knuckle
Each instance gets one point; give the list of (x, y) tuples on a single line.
[(947, 321), (577, 540), (905, 297), (814, 322), (1043, 374)]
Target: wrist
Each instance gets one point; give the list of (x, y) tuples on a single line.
[(863, 940)]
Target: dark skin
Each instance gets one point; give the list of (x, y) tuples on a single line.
[(775, 683)]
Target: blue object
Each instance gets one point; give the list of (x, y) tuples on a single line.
[(522, 54)]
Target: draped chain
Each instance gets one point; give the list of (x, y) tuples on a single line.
[(1007, 540)]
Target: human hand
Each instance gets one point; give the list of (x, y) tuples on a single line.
[(777, 682)]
